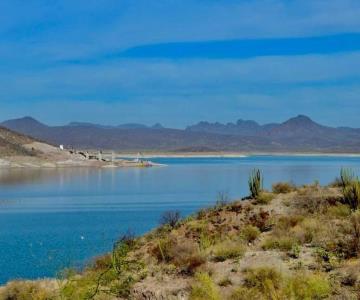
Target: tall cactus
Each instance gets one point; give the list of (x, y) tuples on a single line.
[(255, 183)]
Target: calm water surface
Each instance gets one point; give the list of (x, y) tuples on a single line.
[(51, 219)]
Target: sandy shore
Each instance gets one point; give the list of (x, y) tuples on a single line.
[(47, 156)]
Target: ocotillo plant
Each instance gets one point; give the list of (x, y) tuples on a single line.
[(255, 183)]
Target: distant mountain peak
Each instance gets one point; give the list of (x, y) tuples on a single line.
[(157, 126), (24, 122), (301, 120)]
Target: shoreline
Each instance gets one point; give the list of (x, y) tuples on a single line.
[(231, 154)]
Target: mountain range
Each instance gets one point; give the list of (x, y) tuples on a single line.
[(298, 134)]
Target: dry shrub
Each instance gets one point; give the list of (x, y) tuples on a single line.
[(347, 242), (308, 286), (256, 278), (261, 220), (101, 263), (243, 293), (339, 211), (204, 288), (264, 198), (267, 283), (24, 290), (350, 275), (170, 218), (184, 254), (283, 243), (250, 233), (313, 200), (283, 187), (228, 250), (287, 222)]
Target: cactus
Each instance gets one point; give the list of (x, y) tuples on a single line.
[(255, 183)]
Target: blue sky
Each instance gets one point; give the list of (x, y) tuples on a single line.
[(180, 61)]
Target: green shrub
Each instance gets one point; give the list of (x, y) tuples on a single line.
[(339, 211), (255, 183), (295, 251), (288, 222), (225, 282), (264, 198), (304, 286), (26, 290), (355, 233), (243, 293), (250, 233), (204, 288), (284, 243), (347, 176), (228, 250), (283, 188), (262, 279), (352, 194)]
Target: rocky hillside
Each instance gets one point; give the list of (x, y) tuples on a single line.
[(13, 144), (291, 243)]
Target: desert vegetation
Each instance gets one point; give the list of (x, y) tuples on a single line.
[(295, 242)]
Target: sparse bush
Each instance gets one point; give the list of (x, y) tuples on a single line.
[(304, 286), (284, 243), (261, 220), (255, 183), (295, 251), (355, 230), (222, 199), (171, 218), (339, 211), (264, 198), (263, 279), (225, 282), (228, 250), (283, 188), (204, 288), (27, 290), (289, 221), (243, 293), (250, 233), (162, 249), (184, 254)]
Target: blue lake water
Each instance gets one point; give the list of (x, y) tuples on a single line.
[(51, 219)]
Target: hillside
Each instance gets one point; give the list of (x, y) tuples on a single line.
[(14, 144), (21, 151), (299, 134), (291, 243)]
